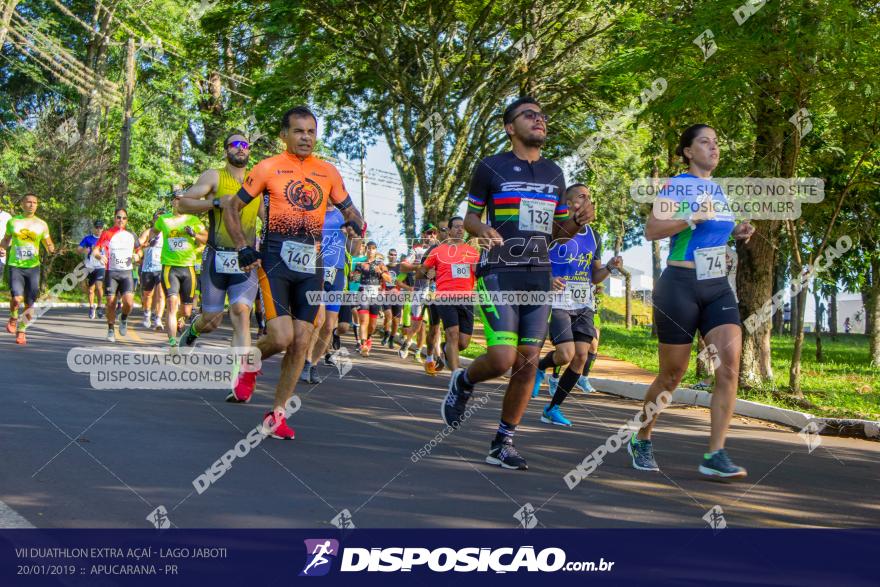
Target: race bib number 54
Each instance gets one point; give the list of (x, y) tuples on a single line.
[(536, 215), (299, 257)]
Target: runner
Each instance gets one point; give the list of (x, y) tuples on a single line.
[(24, 234), (692, 294), (420, 286), (152, 296), (221, 276), (95, 279), (4, 218), (392, 312), (373, 273), (181, 235), (433, 353), (455, 264), (116, 249), (522, 196), (297, 188), (576, 266), (334, 243)]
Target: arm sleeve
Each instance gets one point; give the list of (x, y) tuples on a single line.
[(561, 211), (480, 188), (254, 184), (338, 193)]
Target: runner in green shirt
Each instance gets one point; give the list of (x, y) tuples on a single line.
[(182, 235), (24, 234)]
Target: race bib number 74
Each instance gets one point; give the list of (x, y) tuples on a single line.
[(711, 262)]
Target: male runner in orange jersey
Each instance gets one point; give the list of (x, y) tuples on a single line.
[(296, 188)]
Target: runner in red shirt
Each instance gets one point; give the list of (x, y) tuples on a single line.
[(117, 248), (454, 262)]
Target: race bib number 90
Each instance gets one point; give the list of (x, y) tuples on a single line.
[(299, 257), (178, 243), (711, 262), (536, 215), (227, 262)]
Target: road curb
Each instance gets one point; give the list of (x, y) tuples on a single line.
[(866, 429)]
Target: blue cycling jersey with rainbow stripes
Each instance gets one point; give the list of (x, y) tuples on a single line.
[(522, 200)]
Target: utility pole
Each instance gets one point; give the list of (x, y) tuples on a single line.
[(363, 205), (125, 146), (8, 9)]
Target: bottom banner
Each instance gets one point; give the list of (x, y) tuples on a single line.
[(438, 557)]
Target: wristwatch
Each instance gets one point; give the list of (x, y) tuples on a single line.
[(216, 202)]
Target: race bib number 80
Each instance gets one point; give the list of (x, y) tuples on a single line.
[(461, 271), (536, 215), (299, 257)]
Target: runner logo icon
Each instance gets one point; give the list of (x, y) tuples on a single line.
[(320, 553)]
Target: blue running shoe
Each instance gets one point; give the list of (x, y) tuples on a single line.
[(454, 403), (552, 384), (539, 379), (642, 453), (584, 384), (718, 464), (554, 415)]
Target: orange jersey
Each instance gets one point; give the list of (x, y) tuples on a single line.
[(296, 193)]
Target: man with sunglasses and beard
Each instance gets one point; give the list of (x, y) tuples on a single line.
[(522, 196), (221, 276)]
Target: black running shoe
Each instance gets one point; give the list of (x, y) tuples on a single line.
[(505, 455), (453, 406), (384, 339), (313, 375), (188, 338), (337, 342), (328, 360)]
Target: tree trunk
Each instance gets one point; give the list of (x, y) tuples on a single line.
[(8, 9), (832, 312), (795, 312), (820, 315), (794, 371), (872, 314), (754, 285), (778, 285), (125, 141)]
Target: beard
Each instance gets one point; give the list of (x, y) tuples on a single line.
[(534, 140), (237, 160)]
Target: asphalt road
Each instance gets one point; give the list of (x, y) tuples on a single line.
[(74, 456)]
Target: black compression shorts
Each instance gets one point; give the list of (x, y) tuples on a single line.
[(683, 304)]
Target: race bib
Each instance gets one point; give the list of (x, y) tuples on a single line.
[(580, 293), (536, 215), (299, 257), (25, 252), (120, 259), (153, 260), (390, 283), (461, 271), (178, 243), (330, 274), (711, 262), (227, 262)]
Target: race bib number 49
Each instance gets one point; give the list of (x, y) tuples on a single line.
[(536, 215), (227, 262), (711, 262), (299, 257)]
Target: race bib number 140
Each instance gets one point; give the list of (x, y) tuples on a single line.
[(299, 257)]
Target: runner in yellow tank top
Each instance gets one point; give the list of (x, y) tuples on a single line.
[(221, 276)]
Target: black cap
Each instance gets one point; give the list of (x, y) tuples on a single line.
[(372, 244), (98, 224)]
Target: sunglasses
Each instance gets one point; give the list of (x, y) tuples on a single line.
[(239, 145), (532, 115)]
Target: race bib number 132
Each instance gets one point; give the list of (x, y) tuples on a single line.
[(536, 215)]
